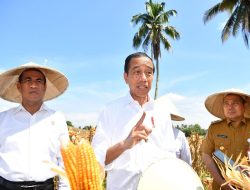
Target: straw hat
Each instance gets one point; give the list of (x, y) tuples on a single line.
[(56, 82), (214, 102), (165, 103)]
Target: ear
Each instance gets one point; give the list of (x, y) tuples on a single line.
[(18, 85), (125, 76)]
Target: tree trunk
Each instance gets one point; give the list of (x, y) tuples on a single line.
[(156, 78)]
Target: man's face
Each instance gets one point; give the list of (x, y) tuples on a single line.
[(139, 77), (32, 87), (234, 107)]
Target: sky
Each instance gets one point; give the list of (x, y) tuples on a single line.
[(89, 40)]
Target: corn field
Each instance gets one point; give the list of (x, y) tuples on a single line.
[(76, 134)]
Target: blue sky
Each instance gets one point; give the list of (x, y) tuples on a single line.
[(89, 41)]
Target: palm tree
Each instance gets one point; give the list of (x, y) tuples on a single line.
[(239, 17), (153, 31)]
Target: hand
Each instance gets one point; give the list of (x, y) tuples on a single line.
[(139, 132)]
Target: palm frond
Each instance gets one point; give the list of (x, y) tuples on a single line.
[(146, 42), (140, 35), (139, 18), (171, 13), (172, 32), (245, 37), (237, 22), (136, 41), (210, 13), (228, 5), (166, 43), (229, 26)]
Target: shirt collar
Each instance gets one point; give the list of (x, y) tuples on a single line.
[(21, 108), (243, 122), (130, 100)]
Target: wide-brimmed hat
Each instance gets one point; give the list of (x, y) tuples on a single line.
[(56, 82), (214, 102), (165, 103)]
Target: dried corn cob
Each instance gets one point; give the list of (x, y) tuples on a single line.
[(82, 169)]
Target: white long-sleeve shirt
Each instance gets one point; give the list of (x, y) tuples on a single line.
[(182, 146), (26, 141), (115, 124)]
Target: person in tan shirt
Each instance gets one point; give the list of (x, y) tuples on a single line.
[(230, 133)]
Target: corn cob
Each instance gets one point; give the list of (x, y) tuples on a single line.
[(69, 159), (82, 169)]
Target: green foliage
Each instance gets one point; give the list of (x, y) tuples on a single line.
[(69, 123), (191, 129), (88, 127)]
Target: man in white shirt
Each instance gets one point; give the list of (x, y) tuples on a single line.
[(30, 134), (182, 146), (131, 132)]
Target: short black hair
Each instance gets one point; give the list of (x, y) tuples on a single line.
[(31, 69), (135, 55)]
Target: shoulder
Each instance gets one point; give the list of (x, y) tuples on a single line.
[(217, 125), (7, 112), (115, 104), (7, 115), (217, 122), (3, 115)]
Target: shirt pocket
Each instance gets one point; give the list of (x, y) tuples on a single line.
[(222, 144)]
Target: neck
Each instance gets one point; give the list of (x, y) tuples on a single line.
[(32, 108)]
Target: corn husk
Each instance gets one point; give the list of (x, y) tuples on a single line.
[(236, 175)]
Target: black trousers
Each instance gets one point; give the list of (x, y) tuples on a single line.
[(9, 185)]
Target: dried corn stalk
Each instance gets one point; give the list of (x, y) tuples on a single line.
[(237, 175), (81, 167)]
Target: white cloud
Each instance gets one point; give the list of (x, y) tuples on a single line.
[(193, 109)]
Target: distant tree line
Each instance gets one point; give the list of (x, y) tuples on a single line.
[(187, 129), (87, 127), (191, 129)]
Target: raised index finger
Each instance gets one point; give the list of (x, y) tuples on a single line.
[(141, 120)]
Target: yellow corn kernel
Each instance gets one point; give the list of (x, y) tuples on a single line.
[(81, 166)]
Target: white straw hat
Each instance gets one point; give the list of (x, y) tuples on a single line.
[(166, 103), (56, 82), (214, 102)]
